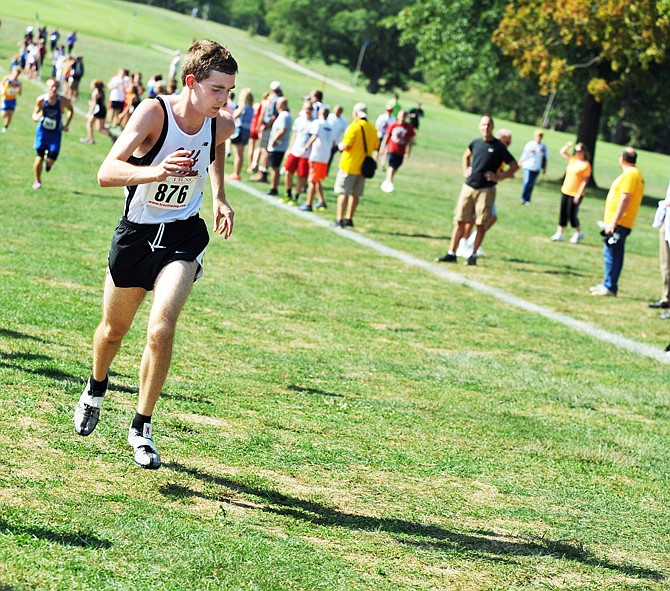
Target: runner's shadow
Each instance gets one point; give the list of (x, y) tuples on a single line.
[(13, 334), (75, 539), (485, 545), (21, 362)]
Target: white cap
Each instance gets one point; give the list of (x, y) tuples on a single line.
[(275, 84), (361, 110)]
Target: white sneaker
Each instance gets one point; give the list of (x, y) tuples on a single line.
[(37, 185), (601, 290), (577, 237), (558, 237), (464, 250), (146, 454), (387, 187), (87, 412)]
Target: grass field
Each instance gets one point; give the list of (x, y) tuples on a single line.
[(334, 419)]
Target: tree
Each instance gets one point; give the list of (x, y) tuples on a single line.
[(337, 31), (459, 61), (601, 46)]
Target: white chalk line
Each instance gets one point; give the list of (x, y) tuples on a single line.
[(605, 336)]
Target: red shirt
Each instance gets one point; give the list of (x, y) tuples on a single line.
[(399, 135)]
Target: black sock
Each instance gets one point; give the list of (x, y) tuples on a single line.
[(99, 388), (139, 420), (289, 192)]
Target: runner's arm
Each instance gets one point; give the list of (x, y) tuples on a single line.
[(223, 213), (140, 135), (67, 106)]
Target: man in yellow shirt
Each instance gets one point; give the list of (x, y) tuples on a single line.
[(359, 141), (621, 207)]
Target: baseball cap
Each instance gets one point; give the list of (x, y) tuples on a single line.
[(275, 84), (361, 110)]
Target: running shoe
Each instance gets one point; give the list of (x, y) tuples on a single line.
[(146, 454), (87, 412)]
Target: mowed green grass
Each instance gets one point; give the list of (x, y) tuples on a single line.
[(334, 419)]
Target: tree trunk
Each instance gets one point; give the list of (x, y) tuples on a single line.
[(589, 124)]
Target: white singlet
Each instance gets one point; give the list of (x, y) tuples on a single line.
[(177, 197)]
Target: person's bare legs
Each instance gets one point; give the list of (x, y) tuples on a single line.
[(351, 207), (342, 205), (37, 169), (459, 231), (171, 291)]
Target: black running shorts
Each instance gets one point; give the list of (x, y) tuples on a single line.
[(140, 251)]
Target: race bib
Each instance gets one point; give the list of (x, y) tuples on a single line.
[(49, 123), (175, 192)]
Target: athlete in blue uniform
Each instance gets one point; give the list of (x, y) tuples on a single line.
[(48, 112), (162, 158)]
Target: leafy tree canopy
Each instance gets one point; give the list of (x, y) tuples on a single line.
[(337, 31)]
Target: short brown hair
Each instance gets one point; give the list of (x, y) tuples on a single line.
[(203, 57)]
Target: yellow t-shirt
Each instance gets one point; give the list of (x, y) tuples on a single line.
[(629, 181), (352, 159), (575, 173)]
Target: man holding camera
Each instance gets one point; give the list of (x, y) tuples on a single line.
[(621, 207)]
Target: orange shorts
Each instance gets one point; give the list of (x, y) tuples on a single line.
[(318, 170)]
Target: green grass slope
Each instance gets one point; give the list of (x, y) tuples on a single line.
[(334, 419)]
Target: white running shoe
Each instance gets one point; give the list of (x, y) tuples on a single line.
[(387, 187), (558, 237), (146, 454), (577, 237), (37, 185), (87, 412)]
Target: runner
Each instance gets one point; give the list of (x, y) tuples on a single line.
[(162, 158), (48, 113)]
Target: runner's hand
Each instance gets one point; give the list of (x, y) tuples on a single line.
[(223, 219)]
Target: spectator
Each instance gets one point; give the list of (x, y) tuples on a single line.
[(97, 112), (76, 74), (482, 162), (118, 87), (533, 160), (320, 142), (621, 208), (269, 117), (298, 157), (382, 124), (662, 222), (577, 175), (359, 141), (415, 114), (256, 129), (466, 244), (243, 115), (338, 124), (278, 142)]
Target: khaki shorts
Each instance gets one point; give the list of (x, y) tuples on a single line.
[(349, 184), (475, 204)]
